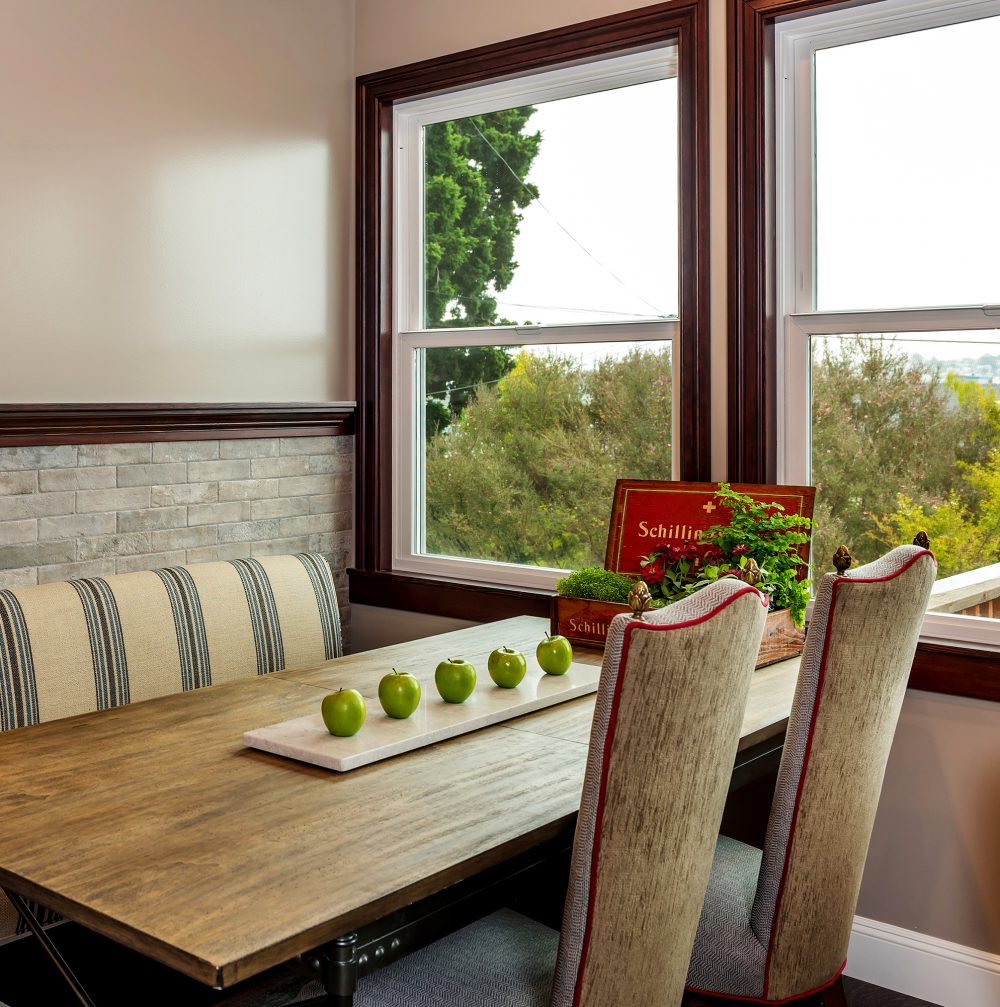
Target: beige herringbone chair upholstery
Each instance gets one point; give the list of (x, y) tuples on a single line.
[(776, 923), (666, 728)]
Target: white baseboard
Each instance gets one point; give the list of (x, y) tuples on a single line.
[(925, 967)]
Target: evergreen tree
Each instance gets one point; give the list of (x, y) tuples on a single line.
[(475, 171)]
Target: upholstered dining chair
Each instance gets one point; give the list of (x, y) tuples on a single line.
[(666, 727), (776, 922)]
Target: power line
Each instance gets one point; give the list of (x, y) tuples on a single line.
[(536, 198), (461, 388), (543, 307)]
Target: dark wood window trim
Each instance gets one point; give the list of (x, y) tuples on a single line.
[(752, 373), (107, 423), (683, 20), (752, 445), (956, 671)]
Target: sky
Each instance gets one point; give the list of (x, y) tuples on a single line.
[(600, 243), (908, 200)]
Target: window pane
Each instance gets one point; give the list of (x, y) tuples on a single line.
[(906, 438), (560, 212), (907, 201), (524, 444)]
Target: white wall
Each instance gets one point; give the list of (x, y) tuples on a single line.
[(175, 180), (934, 861)]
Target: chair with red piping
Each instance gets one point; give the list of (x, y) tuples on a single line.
[(776, 922), (666, 727)]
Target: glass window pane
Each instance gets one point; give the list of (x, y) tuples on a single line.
[(907, 201), (523, 445), (906, 438), (560, 212)]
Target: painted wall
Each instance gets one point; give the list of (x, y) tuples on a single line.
[(175, 180), (934, 861)]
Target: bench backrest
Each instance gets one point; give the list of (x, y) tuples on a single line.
[(93, 644)]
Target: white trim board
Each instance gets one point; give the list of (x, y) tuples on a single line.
[(921, 966)]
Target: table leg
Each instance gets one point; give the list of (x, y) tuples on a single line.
[(31, 922), (340, 970)]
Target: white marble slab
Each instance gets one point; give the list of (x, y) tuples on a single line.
[(381, 737)]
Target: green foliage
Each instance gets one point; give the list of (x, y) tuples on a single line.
[(884, 426), (759, 543), (527, 473), (961, 540), (596, 583), (472, 195), (473, 190), (452, 374)]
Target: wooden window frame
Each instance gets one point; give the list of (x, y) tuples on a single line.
[(752, 242), (372, 581)]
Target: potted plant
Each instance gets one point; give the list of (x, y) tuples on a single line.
[(760, 543)]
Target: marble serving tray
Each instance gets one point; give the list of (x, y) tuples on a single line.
[(307, 739)]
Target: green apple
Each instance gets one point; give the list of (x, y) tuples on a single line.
[(455, 679), (507, 667), (344, 712), (399, 694), (554, 654)]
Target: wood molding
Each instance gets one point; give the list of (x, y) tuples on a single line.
[(450, 598), (683, 20), (956, 671), (752, 376), (104, 423)]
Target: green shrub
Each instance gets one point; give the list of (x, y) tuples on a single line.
[(597, 584)]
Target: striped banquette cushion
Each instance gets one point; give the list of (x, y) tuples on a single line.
[(93, 644)]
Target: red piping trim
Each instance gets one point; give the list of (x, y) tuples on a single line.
[(809, 740), (890, 576), (758, 1000), (606, 760)]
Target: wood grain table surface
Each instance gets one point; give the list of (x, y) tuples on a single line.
[(153, 825)]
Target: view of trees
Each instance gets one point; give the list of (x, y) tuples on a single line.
[(523, 449), (898, 448), (474, 171), (527, 473)]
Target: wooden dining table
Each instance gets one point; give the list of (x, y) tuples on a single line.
[(152, 824)]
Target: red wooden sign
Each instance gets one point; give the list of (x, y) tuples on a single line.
[(648, 513)]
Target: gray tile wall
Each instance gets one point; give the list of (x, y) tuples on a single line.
[(97, 509)]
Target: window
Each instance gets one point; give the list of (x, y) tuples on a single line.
[(533, 303), (537, 314), (888, 286)]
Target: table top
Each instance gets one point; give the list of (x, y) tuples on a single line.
[(153, 825)]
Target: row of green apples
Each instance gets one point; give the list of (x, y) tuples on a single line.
[(344, 711)]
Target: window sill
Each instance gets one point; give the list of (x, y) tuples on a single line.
[(453, 599), (948, 670)]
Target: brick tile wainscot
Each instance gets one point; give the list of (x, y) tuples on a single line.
[(91, 510)]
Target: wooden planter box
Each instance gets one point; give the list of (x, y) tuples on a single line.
[(585, 624)]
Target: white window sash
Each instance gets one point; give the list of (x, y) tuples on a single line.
[(408, 420), (796, 43), (409, 120)]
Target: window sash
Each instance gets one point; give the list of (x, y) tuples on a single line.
[(411, 117), (408, 420), (409, 335), (795, 45)]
